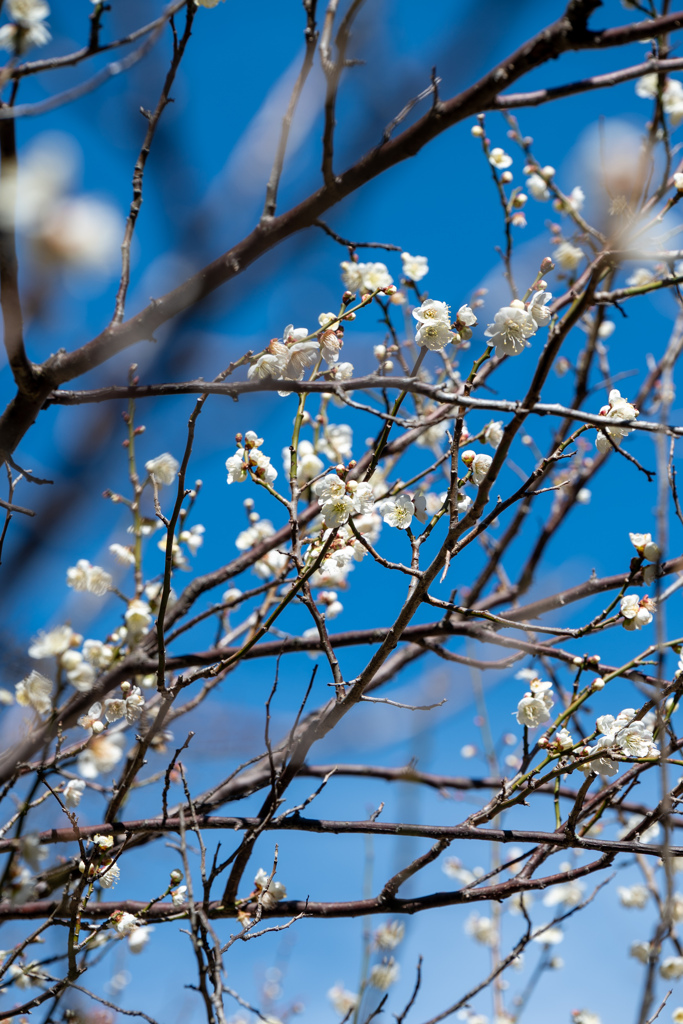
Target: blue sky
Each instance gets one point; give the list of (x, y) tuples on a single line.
[(203, 190)]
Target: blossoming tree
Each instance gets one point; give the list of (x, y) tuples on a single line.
[(446, 515)]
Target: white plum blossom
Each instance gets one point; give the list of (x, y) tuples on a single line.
[(53, 643), (512, 326), (335, 504), (600, 763), (270, 364), (101, 755), (138, 617), (671, 968), (433, 311), (647, 87), (330, 345), (336, 442), (548, 935), (564, 739), (482, 929), (129, 707), (80, 232), (640, 277), (616, 411), (537, 187), (308, 464), (567, 894), (87, 577), (35, 691), (493, 434), (271, 892), (478, 464), (633, 896), (576, 199), (123, 554), (89, 720), (434, 336), (645, 546), (124, 922), (414, 267), (641, 951), (645, 835), (375, 276), (27, 26), (82, 677), (383, 976), (568, 256), (538, 307), (534, 707), (163, 469), (390, 935), (179, 896), (139, 937), (73, 791), (110, 875), (259, 530), (352, 276), (193, 538), (636, 611), (397, 512), (343, 1001), (499, 158)]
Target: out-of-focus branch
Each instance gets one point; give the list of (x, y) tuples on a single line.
[(153, 119), (311, 37), (13, 324)]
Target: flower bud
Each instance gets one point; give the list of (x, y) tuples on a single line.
[(598, 684), (176, 876), (477, 131)]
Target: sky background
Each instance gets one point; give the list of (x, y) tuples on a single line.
[(204, 190)]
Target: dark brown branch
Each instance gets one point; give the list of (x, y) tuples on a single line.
[(235, 389)]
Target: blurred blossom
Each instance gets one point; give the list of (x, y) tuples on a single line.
[(78, 231)]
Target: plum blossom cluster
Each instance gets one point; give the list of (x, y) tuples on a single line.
[(248, 460), (534, 707), (626, 736), (27, 26), (513, 325), (616, 411)]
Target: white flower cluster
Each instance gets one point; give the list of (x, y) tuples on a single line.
[(647, 88), (290, 357), (513, 325), (369, 277), (615, 412), (534, 707), (434, 329), (163, 469), (478, 465), (249, 458), (636, 611), (129, 926), (623, 736), (91, 578), (270, 891), (27, 26), (414, 267), (338, 500)]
